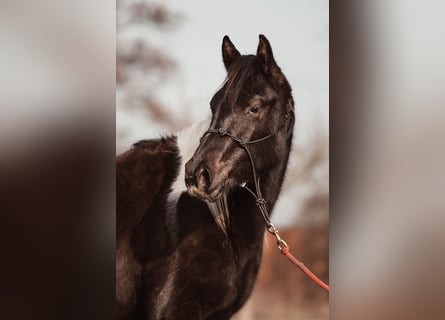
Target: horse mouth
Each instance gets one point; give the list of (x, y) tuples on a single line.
[(216, 200)]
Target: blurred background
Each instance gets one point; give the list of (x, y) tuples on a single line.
[(169, 65), (387, 219), (386, 134)]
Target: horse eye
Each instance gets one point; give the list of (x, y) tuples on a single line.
[(254, 109)]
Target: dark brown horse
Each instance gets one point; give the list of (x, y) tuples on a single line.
[(192, 250)]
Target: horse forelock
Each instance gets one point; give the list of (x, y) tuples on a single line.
[(240, 77), (244, 74)]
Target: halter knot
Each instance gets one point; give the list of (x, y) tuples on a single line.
[(222, 132), (242, 143), (260, 201)]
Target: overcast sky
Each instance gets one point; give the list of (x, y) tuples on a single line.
[(297, 30)]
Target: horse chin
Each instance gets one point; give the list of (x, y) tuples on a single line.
[(217, 205), (202, 195), (213, 193), (216, 201), (220, 211)]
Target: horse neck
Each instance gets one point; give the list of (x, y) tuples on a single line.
[(247, 214), (271, 182)]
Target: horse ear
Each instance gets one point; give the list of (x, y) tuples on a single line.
[(229, 52), (267, 61)]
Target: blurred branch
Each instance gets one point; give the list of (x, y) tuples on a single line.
[(157, 14), (142, 68), (143, 57)]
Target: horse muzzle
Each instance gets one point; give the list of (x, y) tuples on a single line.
[(202, 182)]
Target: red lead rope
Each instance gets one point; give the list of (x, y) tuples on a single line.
[(284, 248), (285, 251)]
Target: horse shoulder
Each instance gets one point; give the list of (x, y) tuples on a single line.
[(141, 175)]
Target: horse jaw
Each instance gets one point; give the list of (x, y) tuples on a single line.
[(220, 212)]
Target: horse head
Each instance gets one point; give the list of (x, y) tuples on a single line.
[(252, 109)]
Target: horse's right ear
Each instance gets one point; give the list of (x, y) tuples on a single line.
[(229, 52), (267, 61)]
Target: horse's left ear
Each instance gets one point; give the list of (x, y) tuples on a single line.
[(267, 61), (229, 52)]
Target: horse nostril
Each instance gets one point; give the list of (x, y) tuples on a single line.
[(190, 170), (203, 177), (189, 180)]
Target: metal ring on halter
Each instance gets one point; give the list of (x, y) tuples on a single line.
[(274, 231), (271, 229), (281, 244)]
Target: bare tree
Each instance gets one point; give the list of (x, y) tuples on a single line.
[(142, 68)]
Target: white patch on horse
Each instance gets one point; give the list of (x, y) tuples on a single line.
[(188, 142)]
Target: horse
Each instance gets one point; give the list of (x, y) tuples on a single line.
[(189, 229)]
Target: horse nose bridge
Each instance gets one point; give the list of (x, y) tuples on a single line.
[(195, 167), (190, 168), (195, 160), (207, 149), (208, 156)]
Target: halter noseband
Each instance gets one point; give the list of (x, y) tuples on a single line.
[(260, 201)]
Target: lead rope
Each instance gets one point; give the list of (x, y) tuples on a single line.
[(261, 203), (281, 244)]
